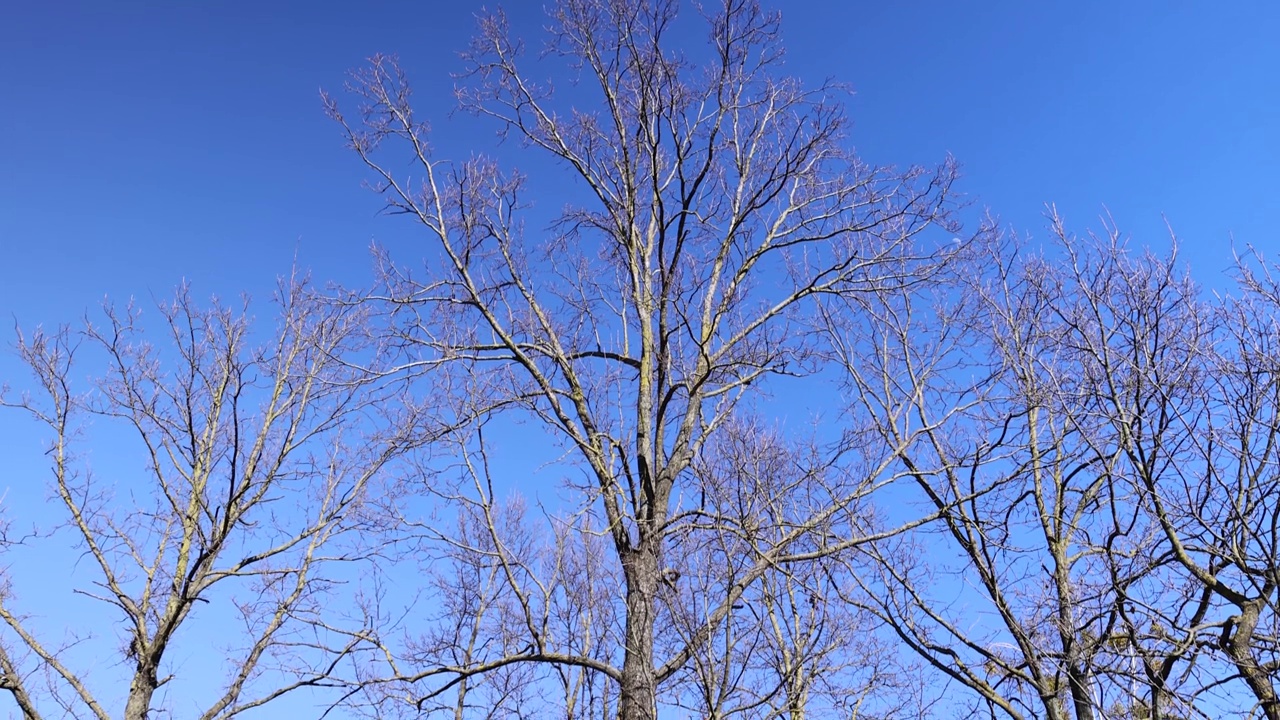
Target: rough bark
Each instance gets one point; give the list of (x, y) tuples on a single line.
[(639, 691)]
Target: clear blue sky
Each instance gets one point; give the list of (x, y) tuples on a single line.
[(141, 143), (145, 143)]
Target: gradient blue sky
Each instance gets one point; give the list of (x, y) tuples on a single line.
[(141, 143), (146, 143)]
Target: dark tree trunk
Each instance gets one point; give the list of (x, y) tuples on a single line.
[(639, 686), (1238, 643), (1080, 682)]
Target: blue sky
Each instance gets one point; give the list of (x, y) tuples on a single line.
[(146, 143)]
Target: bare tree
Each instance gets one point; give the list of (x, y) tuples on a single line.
[(495, 582), (249, 515), (993, 386), (1098, 438), (1121, 306), (788, 649), (1179, 399), (712, 200), (1199, 443), (1241, 530)]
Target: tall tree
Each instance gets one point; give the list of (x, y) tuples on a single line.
[(712, 200)]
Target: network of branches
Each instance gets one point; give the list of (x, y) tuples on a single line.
[(696, 415)]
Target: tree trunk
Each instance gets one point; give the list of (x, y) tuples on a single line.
[(1238, 647), (639, 700), (1080, 681), (796, 706), (140, 692)]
